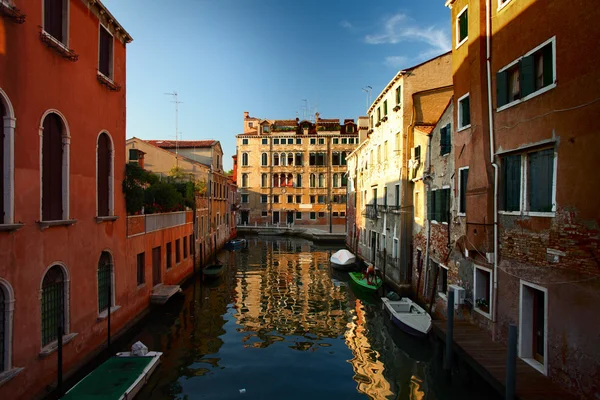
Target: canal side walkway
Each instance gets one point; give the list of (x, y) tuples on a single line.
[(315, 233), (488, 359)]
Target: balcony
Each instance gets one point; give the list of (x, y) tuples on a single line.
[(382, 208), (138, 224), (371, 211)]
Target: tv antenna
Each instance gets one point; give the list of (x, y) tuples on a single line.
[(367, 90), (177, 102)]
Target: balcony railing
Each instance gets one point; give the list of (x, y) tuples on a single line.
[(370, 211), (382, 207), (138, 224)]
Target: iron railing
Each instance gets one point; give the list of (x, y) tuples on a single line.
[(370, 211), (104, 279), (52, 305)]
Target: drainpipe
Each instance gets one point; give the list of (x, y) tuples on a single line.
[(428, 227), (492, 160)]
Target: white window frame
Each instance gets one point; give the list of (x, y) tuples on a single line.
[(8, 180), (296, 215), (245, 182), (246, 160), (310, 215), (111, 67), (65, 28), (440, 294), (461, 12), (113, 297), (459, 115), (540, 91), (265, 141), (67, 335), (242, 198), (111, 176), (267, 198), (10, 371), (502, 5), (244, 141), (542, 368), (262, 164), (491, 302), (458, 212)]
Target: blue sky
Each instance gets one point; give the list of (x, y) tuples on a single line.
[(225, 57)]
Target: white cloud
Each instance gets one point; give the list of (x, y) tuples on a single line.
[(401, 28), (396, 61), (346, 24)]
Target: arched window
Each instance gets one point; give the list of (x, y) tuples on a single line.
[(105, 175), (276, 159), (275, 180), (290, 159), (264, 180), (244, 159), (283, 159), (343, 159), (244, 180), (281, 180), (105, 282), (312, 181), (290, 180), (299, 180), (53, 305), (335, 180), (6, 323), (321, 180), (264, 159), (344, 180), (7, 131), (55, 169)]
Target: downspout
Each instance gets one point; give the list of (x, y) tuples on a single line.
[(428, 228), (492, 161)]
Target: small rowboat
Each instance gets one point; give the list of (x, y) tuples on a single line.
[(360, 279), (214, 270), (236, 244), (408, 316), (343, 259)]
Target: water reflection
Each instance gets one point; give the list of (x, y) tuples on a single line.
[(280, 324)]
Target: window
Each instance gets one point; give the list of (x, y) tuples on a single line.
[(321, 199), (105, 282), (397, 195), (482, 286), (244, 180), (141, 263), (265, 141), (312, 181), (335, 180), (385, 196), (385, 110), (54, 306), (244, 141), (445, 140), (298, 141), (283, 159), (290, 198), (321, 180), (192, 239), (336, 141), (378, 114), (464, 112), (335, 213), (244, 159), (299, 180), (264, 198), (313, 215), (299, 159), (276, 198), (55, 176), (535, 172), (104, 176), (185, 247), (275, 141), (289, 141), (264, 213), (177, 250), (438, 205), (371, 122), (264, 159), (299, 199), (313, 199), (462, 26), (321, 214), (266, 129), (350, 129), (527, 75), (290, 159), (442, 280), (105, 53), (298, 215), (264, 180), (313, 141), (55, 24), (463, 176), (343, 160), (321, 141), (417, 153), (399, 95), (335, 158), (250, 124)]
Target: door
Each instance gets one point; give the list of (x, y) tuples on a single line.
[(373, 246), (156, 266), (538, 325), (290, 217), (275, 217), (245, 218)]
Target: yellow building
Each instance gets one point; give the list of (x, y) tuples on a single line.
[(294, 172)]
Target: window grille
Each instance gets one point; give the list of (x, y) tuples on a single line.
[(53, 304)]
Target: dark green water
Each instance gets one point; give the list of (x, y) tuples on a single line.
[(280, 324)]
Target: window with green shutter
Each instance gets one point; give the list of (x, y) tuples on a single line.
[(540, 168), (385, 110), (399, 95), (463, 176), (511, 187), (463, 25), (445, 139), (464, 111)]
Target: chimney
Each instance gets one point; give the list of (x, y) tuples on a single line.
[(246, 114)]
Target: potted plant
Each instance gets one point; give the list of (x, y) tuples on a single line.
[(483, 305)]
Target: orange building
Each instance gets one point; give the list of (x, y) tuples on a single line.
[(63, 225), (527, 84)]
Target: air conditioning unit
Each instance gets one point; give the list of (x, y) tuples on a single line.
[(459, 294)]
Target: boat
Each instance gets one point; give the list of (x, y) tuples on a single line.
[(360, 279), (343, 259), (213, 270), (408, 316), (236, 244), (120, 377)]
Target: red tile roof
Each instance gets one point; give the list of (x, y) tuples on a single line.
[(182, 144), (425, 128), (284, 122)]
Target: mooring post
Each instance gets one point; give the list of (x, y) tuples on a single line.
[(449, 330), (511, 363), (59, 358)]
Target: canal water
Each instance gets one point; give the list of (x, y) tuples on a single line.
[(280, 324)]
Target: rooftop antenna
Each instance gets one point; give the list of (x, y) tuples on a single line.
[(367, 90), (305, 108), (177, 102)]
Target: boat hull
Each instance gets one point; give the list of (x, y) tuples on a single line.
[(213, 271), (357, 277), (344, 267), (236, 244), (408, 329), (421, 321)]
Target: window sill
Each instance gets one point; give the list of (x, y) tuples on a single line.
[(104, 314), (535, 364), (462, 128), (10, 227), (58, 46), (443, 296), (528, 97), (107, 218), (485, 314), (501, 6), (15, 14), (63, 222), (462, 42), (108, 82), (52, 347), (550, 214), (8, 375), (141, 286)]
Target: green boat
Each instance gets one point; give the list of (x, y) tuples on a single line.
[(360, 279), (214, 270), (118, 378)]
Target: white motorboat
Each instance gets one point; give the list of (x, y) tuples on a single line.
[(343, 259), (408, 316)]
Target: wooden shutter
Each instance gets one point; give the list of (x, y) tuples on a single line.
[(464, 25), (442, 140), (466, 111), (105, 52), (53, 18), (527, 75), (464, 176), (548, 65), (429, 204), (501, 89), (2, 115), (437, 205), (511, 166), (418, 152), (539, 182), (103, 175), (52, 159)]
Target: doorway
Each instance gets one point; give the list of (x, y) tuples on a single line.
[(245, 218), (156, 266), (534, 325), (275, 217), (373, 246), (290, 217)]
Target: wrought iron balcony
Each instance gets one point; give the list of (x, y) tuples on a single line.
[(382, 207), (370, 211)]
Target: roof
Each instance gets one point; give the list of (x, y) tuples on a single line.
[(111, 19), (425, 128), (182, 144), (284, 122)]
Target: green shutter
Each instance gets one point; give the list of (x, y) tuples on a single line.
[(429, 203), (548, 65), (539, 182), (527, 75), (501, 89), (511, 166), (437, 205), (464, 25), (466, 111), (442, 140), (464, 176)]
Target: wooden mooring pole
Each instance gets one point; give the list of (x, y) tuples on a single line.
[(449, 331), (511, 363)]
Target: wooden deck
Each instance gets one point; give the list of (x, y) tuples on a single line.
[(162, 293), (488, 358)]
